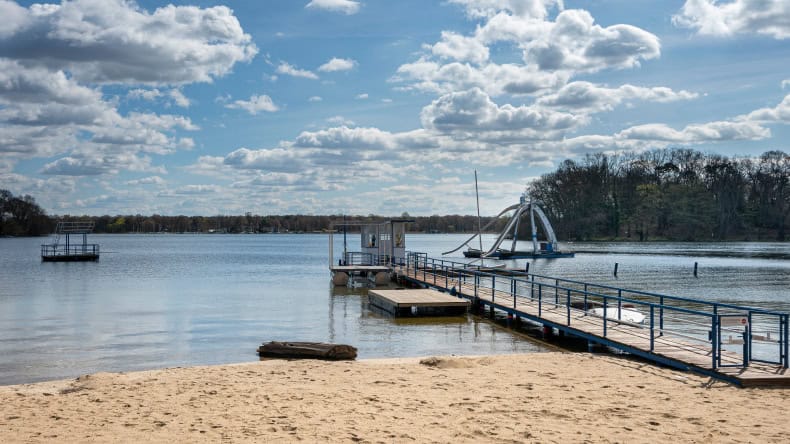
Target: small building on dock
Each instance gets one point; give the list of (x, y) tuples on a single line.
[(382, 244), (64, 249)]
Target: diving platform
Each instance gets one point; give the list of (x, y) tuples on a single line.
[(746, 346), (418, 302), (64, 250)]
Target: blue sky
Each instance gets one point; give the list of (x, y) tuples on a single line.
[(370, 106)]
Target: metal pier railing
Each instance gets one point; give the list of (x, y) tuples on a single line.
[(678, 331)]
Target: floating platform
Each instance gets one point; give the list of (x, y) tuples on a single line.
[(378, 274), (51, 253), (418, 302), (63, 250), (505, 254)]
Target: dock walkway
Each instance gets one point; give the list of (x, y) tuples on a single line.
[(682, 333)]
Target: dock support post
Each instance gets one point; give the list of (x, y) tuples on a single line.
[(652, 326), (590, 347), (491, 312), (510, 320), (547, 331)]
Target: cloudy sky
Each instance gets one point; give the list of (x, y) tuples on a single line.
[(369, 106)]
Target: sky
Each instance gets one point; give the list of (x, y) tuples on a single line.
[(370, 106)]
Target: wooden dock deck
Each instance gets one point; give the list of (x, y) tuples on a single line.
[(418, 302), (646, 341)]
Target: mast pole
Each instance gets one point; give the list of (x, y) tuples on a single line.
[(479, 227)]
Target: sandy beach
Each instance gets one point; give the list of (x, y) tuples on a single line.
[(544, 397)]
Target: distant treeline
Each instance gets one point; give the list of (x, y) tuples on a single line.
[(672, 194), (21, 216), (253, 223), (668, 194)]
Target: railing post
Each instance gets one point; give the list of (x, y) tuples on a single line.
[(477, 283), (446, 275), (568, 305), (532, 288), (540, 298), (556, 292), (585, 300), (433, 269), (714, 338), (652, 325), (605, 303), (493, 287), (661, 317), (787, 340), (513, 291), (619, 304)]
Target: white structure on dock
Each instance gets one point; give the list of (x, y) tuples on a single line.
[(382, 244)]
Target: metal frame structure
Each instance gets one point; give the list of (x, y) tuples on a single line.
[(547, 248), (68, 251)]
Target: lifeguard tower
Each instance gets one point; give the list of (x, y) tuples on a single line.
[(63, 250), (382, 244)]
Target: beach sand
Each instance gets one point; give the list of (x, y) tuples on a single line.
[(542, 397)]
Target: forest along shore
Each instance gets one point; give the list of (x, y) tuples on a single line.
[(532, 397)]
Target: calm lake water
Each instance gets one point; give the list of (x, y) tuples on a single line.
[(178, 300)]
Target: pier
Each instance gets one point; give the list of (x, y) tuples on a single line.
[(742, 345)]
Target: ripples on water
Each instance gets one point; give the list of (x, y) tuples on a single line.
[(175, 300)]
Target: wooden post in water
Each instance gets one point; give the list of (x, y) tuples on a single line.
[(695, 269), (615, 269)]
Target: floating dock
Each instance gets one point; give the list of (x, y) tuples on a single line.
[(418, 302), (745, 346), (63, 250)]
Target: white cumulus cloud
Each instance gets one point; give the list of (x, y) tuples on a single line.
[(722, 18), (255, 104), (348, 7), (336, 64), (116, 41), (290, 70)]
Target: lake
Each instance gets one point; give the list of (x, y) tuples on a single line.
[(169, 300)]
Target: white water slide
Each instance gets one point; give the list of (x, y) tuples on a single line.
[(520, 208)]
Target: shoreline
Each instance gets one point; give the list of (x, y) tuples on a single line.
[(536, 397)]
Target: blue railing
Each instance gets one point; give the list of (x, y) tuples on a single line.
[(705, 326)]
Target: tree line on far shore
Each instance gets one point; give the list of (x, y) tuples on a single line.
[(667, 194), (21, 216)]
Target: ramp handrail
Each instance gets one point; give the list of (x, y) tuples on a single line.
[(658, 305)]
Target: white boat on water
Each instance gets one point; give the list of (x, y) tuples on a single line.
[(624, 314)]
